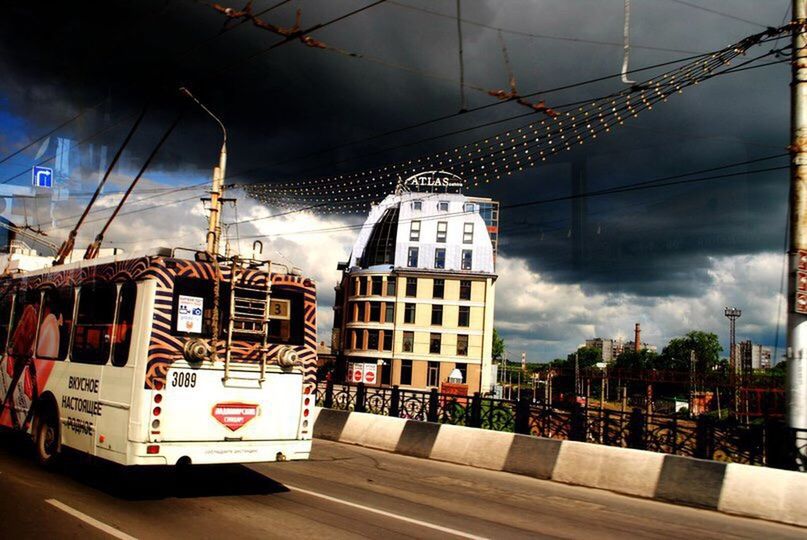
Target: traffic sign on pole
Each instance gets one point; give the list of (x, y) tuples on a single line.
[(42, 177)]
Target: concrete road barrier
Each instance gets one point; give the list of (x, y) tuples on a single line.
[(744, 490)]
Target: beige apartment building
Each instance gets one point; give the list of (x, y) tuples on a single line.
[(417, 296)]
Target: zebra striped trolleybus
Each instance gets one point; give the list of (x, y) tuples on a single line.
[(157, 359)]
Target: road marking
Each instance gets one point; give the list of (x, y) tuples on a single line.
[(112, 531), (426, 524)]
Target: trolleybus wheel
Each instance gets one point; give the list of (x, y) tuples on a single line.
[(46, 439)]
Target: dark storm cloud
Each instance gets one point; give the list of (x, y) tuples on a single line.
[(295, 101)]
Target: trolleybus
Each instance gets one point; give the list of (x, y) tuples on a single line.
[(160, 358)]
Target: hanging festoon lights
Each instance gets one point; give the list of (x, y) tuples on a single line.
[(512, 151)]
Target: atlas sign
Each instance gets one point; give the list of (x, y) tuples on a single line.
[(432, 181)]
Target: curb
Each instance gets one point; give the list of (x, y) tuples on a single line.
[(743, 490)]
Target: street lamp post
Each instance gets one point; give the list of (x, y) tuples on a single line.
[(217, 189)]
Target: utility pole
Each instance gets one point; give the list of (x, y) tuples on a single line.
[(796, 298)]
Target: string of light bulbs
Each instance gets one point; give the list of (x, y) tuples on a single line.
[(514, 150)]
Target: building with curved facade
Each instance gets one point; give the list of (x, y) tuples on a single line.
[(417, 294)]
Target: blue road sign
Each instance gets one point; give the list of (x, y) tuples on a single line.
[(42, 177)]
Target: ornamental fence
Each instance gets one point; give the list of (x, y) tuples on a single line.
[(764, 441)]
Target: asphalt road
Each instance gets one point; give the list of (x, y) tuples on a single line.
[(342, 492)]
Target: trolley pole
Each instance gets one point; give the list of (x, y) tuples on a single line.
[(797, 270)]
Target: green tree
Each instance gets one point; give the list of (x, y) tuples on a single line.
[(631, 359), (586, 357), (676, 355), (780, 369), (498, 346)]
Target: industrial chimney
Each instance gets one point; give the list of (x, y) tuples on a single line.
[(637, 338)]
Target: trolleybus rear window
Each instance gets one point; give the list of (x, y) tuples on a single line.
[(290, 331), (191, 294)]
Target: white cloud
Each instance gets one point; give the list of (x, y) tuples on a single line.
[(549, 319)]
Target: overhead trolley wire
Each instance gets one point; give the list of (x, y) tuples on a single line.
[(716, 12)]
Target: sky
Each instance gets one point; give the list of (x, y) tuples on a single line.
[(669, 258)]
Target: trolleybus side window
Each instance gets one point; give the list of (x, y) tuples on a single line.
[(123, 324), (96, 312), (26, 315), (5, 319), (55, 323)]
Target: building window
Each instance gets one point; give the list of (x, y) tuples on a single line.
[(464, 318), (437, 315), (409, 313), (389, 312), (412, 259), (442, 206), (468, 233), (375, 312), (469, 207), (358, 312), (467, 259), (372, 340), (408, 341), (406, 372), (433, 374), (386, 372), (465, 289), (440, 258), (442, 229), (390, 286), (387, 344), (377, 283), (438, 290), (414, 231), (462, 345), (464, 370), (417, 205), (411, 286), (434, 343), (362, 286)]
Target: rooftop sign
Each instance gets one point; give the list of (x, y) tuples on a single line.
[(433, 181)]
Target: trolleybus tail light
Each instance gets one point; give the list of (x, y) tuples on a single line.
[(158, 385), (306, 413), (158, 398), (157, 411), (307, 402), (153, 449), (307, 390)]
